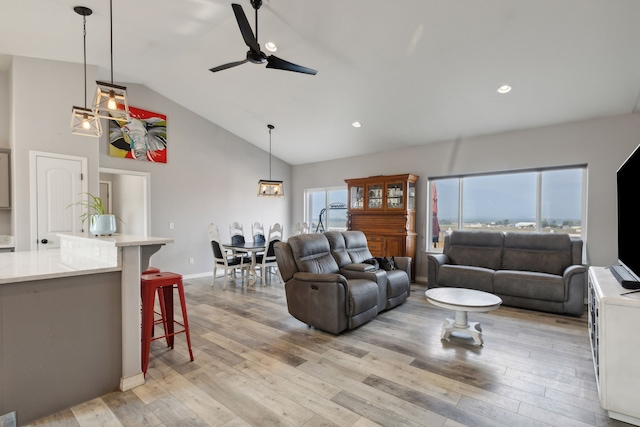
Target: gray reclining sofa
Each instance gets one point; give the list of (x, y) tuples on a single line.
[(329, 287), (538, 271)]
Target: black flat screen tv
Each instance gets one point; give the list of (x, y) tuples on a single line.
[(628, 188)]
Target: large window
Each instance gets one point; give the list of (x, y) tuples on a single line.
[(545, 200), (326, 209)]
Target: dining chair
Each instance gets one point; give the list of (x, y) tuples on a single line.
[(257, 231), (236, 232), (268, 258), (222, 259), (299, 228)]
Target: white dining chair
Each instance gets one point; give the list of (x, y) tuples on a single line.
[(268, 258), (236, 231), (299, 228), (257, 231), (222, 259)]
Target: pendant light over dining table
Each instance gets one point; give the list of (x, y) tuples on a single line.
[(269, 187), (84, 120), (110, 101)]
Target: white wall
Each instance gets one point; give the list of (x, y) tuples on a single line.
[(211, 174), (603, 144)]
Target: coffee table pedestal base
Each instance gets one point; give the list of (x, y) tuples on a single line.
[(462, 325)]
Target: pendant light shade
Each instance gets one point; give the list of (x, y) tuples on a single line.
[(83, 120), (110, 101), (269, 187)]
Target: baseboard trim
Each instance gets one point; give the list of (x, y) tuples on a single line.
[(131, 382), (421, 279), (197, 275)]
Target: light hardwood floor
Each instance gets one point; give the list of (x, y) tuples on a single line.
[(255, 365)]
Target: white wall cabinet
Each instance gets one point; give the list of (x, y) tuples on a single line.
[(615, 342), (5, 179)]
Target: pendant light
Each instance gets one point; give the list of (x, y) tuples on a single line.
[(269, 187), (83, 120), (111, 100)]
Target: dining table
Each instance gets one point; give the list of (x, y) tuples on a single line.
[(251, 248)]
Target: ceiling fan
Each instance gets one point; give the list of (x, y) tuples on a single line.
[(254, 54)]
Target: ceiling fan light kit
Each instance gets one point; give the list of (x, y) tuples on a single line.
[(110, 101), (269, 187), (84, 120), (254, 54)]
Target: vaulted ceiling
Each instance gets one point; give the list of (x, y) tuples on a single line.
[(411, 71)]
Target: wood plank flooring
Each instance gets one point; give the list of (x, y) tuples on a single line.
[(255, 365)]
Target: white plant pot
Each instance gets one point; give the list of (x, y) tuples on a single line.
[(102, 225)]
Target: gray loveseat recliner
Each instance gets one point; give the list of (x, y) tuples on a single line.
[(329, 287), (538, 271)]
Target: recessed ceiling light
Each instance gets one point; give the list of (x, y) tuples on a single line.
[(356, 124), (504, 89), (271, 46)]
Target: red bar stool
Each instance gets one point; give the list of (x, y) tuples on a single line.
[(161, 316), (165, 282)]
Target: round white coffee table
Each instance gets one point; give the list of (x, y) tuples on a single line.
[(463, 300)]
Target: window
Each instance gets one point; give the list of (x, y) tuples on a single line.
[(326, 209), (544, 200)]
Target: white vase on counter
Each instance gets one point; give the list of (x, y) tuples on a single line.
[(102, 225)]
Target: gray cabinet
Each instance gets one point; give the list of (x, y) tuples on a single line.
[(5, 178)]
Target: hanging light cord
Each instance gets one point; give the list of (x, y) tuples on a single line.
[(84, 37), (270, 153), (111, 32)]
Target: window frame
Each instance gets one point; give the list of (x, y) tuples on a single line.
[(326, 190), (538, 196)]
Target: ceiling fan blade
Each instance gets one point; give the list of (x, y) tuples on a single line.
[(245, 28), (281, 64), (225, 66)]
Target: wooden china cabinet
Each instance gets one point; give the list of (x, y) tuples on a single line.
[(384, 208)]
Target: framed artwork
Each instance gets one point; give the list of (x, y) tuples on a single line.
[(143, 138)]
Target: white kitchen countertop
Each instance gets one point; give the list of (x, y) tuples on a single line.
[(38, 265), (120, 240)]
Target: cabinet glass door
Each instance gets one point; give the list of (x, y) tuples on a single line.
[(411, 196), (394, 196), (357, 197), (375, 196)]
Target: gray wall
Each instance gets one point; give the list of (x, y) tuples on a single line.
[(603, 144), (211, 174)]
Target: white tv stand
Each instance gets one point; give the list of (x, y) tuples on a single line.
[(615, 344)]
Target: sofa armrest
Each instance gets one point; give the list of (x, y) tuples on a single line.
[(403, 263), (434, 261), (314, 277), (360, 267), (575, 279)]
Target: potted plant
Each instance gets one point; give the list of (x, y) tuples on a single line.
[(100, 223)]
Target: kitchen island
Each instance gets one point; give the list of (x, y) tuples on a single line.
[(70, 322)]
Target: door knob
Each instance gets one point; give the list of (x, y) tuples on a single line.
[(44, 241)]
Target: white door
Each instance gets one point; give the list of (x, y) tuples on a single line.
[(58, 186)]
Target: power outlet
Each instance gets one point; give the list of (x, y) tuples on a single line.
[(190, 260)]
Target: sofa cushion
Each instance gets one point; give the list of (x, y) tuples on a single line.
[(539, 252), (357, 246), (475, 248), (338, 248), (463, 276), (527, 284), (397, 282), (312, 254)]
